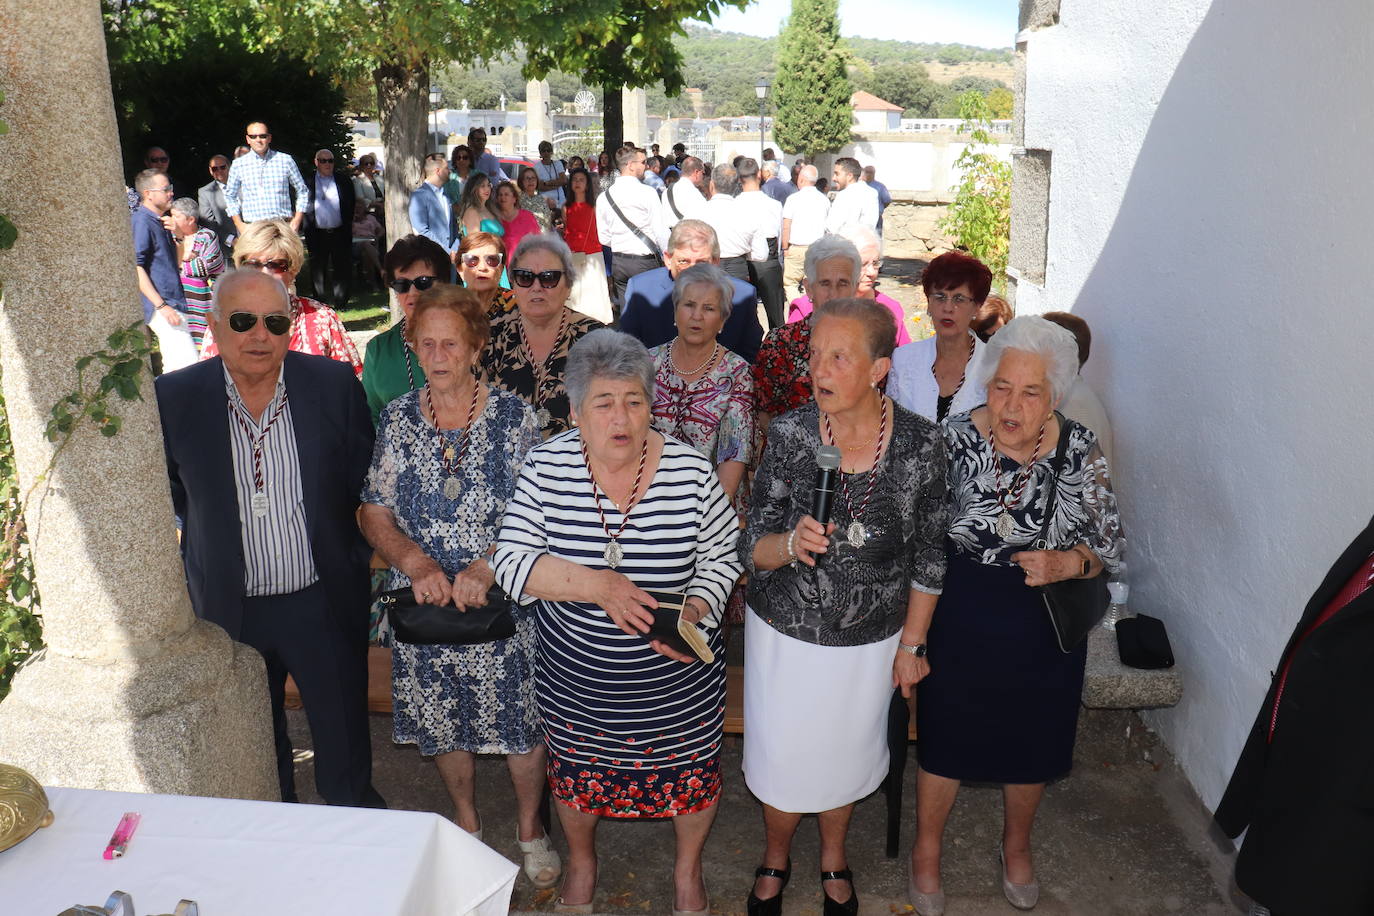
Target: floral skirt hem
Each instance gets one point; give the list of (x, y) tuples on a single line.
[(431, 749), (662, 792)]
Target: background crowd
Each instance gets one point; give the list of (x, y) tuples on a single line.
[(580, 417)]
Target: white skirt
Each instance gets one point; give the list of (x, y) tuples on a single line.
[(815, 718), (590, 295)]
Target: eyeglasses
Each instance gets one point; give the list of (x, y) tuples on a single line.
[(524, 279), (161, 190), (276, 265), (258, 136), (493, 260), (324, 161), (243, 322), (462, 158), (158, 159), (402, 285), (942, 298), (873, 265)]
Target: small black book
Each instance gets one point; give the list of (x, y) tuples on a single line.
[(672, 630)]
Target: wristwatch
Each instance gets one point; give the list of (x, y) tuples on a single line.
[(918, 650)]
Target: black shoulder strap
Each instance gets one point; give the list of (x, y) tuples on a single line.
[(1056, 468), (672, 204), (639, 234)]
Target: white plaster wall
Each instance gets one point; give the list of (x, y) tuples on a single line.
[(1210, 206)]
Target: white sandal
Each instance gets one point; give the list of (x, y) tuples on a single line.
[(542, 865)]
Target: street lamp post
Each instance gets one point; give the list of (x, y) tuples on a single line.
[(761, 90), (434, 96)]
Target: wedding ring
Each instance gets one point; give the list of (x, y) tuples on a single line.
[(426, 596)]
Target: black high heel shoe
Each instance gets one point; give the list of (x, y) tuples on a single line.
[(833, 907), (771, 906)]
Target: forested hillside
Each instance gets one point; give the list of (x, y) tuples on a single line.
[(726, 65)]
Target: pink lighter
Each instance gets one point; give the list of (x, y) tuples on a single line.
[(119, 842)]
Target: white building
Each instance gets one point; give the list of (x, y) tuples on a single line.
[(1196, 186), (874, 115)]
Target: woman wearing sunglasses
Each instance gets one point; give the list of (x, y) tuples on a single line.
[(528, 353), (460, 166), (274, 248), (481, 258), (390, 369)]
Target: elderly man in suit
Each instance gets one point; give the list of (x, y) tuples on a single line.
[(266, 451), (1304, 784), (210, 197), (329, 231), (649, 313)]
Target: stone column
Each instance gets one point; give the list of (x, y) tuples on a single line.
[(538, 121), (636, 116), (133, 693)]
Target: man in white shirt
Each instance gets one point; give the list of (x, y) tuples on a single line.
[(629, 220), (855, 201), (552, 175), (683, 199), (803, 223), (741, 237), (766, 274), (329, 232)]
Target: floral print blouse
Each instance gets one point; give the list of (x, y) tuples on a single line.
[(713, 414), (504, 365)]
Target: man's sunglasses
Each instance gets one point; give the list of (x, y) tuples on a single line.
[(524, 279), (403, 285), (276, 265), (158, 159), (493, 260), (325, 161), (219, 168), (243, 322), (258, 136)]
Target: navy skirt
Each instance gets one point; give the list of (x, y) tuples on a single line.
[(1001, 701)]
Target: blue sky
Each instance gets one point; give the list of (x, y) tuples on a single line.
[(985, 23)]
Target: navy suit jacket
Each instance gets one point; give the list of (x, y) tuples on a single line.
[(334, 442), (648, 314), (427, 217), (347, 199)]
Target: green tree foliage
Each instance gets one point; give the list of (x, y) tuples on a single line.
[(21, 629), (981, 84), (1000, 103), (240, 86), (812, 91), (633, 45), (979, 218), (885, 51), (910, 86)]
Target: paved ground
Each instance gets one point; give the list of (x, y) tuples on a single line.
[(1124, 835)]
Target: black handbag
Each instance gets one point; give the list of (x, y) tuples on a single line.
[(1142, 642), (430, 625), (1074, 606)]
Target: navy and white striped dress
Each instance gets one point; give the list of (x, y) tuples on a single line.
[(630, 733)]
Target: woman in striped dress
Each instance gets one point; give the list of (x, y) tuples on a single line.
[(202, 261), (601, 513)]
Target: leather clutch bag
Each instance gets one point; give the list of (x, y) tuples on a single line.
[(1142, 642), (429, 624), (673, 631)]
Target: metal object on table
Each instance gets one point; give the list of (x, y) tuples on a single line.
[(23, 806), (121, 904)]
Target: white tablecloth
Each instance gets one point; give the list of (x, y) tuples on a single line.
[(245, 858)]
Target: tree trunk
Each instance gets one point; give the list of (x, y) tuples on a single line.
[(402, 98), (612, 120)]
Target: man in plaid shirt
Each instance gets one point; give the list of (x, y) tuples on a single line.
[(260, 184)]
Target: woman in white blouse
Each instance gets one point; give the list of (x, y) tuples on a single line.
[(942, 375)]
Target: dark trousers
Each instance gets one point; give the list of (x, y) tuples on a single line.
[(767, 279), (623, 267), (298, 634), (331, 252), (736, 267)]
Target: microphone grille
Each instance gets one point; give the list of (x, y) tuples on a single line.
[(828, 457)]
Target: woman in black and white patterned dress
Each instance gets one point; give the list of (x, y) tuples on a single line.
[(443, 467), (1001, 701), (600, 514)]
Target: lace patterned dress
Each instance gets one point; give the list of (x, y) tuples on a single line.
[(1001, 702), (476, 698), (714, 414)]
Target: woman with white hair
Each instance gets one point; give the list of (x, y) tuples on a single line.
[(201, 262), (601, 514), (703, 393), (1000, 703), (870, 246)]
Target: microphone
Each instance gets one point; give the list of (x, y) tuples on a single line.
[(827, 467)]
